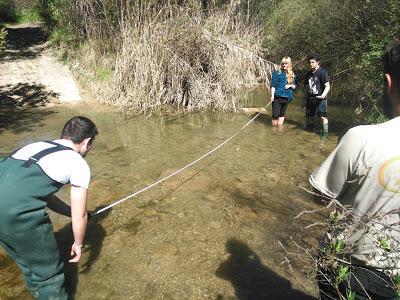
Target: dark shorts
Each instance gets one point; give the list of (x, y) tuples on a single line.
[(279, 106), (319, 106)]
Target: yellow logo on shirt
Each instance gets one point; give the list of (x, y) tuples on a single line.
[(389, 175)]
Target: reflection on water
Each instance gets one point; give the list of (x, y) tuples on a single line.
[(171, 241)]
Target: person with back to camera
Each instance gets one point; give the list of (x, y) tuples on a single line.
[(28, 180), (282, 87), (317, 86), (363, 173)]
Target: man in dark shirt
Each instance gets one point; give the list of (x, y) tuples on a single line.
[(317, 88)]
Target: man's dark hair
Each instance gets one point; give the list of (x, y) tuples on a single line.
[(313, 56), (391, 62), (79, 128)]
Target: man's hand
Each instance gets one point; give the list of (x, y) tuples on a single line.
[(91, 214), (320, 97), (76, 252)]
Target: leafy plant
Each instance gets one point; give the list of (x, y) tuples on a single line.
[(337, 246), (343, 274), (384, 243), (335, 217), (350, 295), (397, 283)]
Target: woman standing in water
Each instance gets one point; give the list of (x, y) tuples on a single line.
[(282, 87)]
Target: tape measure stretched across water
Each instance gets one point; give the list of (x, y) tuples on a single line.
[(177, 171)]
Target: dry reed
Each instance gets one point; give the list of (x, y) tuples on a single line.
[(176, 55)]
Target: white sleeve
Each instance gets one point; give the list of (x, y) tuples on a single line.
[(80, 174), (336, 172)]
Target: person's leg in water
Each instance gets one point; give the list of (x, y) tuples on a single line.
[(276, 110), (323, 114), (38, 260), (325, 126), (282, 113)]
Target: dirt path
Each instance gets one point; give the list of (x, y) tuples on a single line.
[(29, 74)]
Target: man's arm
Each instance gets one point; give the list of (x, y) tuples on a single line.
[(326, 91), (79, 220), (58, 206)]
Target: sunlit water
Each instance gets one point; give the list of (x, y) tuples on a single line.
[(210, 232)]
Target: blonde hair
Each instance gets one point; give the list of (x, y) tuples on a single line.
[(289, 71)]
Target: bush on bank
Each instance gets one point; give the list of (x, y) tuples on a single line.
[(190, 54)]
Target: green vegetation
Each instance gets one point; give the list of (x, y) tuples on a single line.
[(28, 16), (8, 11), (103, 73), (350, 37), (20, 11), (215, 47)]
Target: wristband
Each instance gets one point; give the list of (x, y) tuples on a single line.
[(79, 246)]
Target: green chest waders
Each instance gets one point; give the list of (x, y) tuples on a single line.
[(26, 232)]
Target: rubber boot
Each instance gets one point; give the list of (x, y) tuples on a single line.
[(324, 133)]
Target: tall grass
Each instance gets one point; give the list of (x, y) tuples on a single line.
[(172, 54)]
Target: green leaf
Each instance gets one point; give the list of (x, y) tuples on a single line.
[(342, 274), (385, 244), (338, 246), (350, 295)]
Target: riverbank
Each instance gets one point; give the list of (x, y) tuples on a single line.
[(30, 75)]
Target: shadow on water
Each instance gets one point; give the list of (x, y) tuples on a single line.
[(251, 279), (20, 41), (93, 243), (94, 239), (18, 103)]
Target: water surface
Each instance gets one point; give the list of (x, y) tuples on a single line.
[(212, 231)]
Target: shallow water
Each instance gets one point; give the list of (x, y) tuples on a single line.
[(210, 232)]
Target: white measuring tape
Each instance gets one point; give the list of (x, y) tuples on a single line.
[(177, 171)]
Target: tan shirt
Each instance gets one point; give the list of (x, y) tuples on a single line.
[(363, 172)]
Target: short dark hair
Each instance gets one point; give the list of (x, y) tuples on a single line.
[(391, 62), (314, 56), (79, 128)]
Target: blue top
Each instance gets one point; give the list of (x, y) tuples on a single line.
[(278, 82)]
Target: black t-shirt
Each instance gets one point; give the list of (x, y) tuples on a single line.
[(315, 82)]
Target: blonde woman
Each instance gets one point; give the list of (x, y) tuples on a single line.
[(282, 87)]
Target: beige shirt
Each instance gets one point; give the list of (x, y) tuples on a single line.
[(363, 172)]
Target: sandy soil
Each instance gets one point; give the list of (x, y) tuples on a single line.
[(29, 74)]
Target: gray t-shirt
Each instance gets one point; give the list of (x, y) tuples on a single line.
[(363, 172)]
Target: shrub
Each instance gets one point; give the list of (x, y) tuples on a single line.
[(181, 53), (7, 11)]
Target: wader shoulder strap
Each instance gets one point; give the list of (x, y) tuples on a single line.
[(43, 153)]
